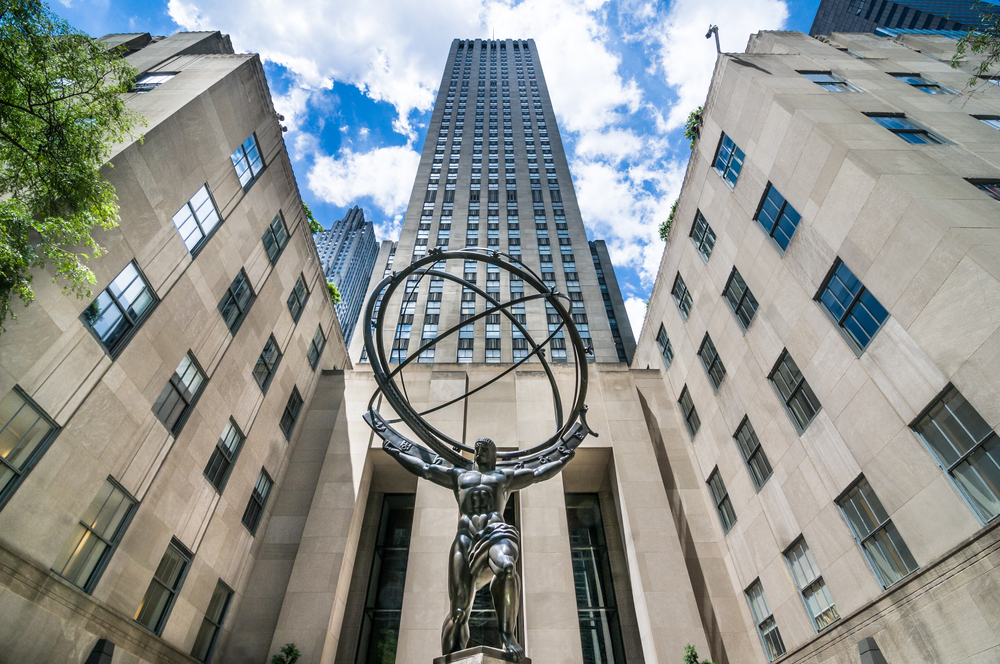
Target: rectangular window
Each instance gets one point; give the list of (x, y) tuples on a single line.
[(383, 606), (275, 238), (247, 161), (597, 608), (100, 529), (690, 414), (174, 404), (878, 538), (703, 236), (224, 456), (710, 359), (989, 187), (236, 302), (728, 160), (316, 347), (208, 634), (297, 298), (197, 219), (291, 413), (990, 120), (923, 84), (681, 296), (851, 305), (753, 454), (740, 299), (903, 127), (163, 588), (258, 501), (720, 497), (666, 350), (150, 82), (267, 364), (829, 81), (766, 626), (778, 219), (966, 449), (791, 385), (120, 309), (812, 588), (25, 435)]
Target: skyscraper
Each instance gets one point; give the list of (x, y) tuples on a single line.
[(957, 16), (493, 173), (347, 253)]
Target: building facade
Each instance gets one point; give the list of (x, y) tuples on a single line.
[(347, 251), (948, 16), (825, 322), (145, 432)]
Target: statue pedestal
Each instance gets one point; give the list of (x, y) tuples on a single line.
[(479, 655)]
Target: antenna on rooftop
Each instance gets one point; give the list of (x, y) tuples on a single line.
[(714, 29)]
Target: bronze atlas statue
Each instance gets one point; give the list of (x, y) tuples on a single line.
[(486, 548)]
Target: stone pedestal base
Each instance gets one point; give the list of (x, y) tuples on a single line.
[(479, 655)]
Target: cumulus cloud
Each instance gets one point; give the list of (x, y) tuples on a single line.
[(636, 309), (383, 174), (687, 59)]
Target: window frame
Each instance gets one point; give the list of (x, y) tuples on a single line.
[(800, 541), (915, 129), (990, 187), (246, 157), (272, 369), (269, 233), (748, 455), (729, 160), (182, 419), (296, 315), (684, 296), (295, 418), (187, 557), (840, 323), (261, 502), (217, 625), (721, 501), (692, 430), (798, 389), (923, 84), (112, 545), (139, 88), (114, 351), (758, 622), (314, 362), (838, 80), (962, 457), (777, 219), (229, 295), (883, 525), (702, 238), (229, 457), (987, 119), (665, 348), (711, 363), (10, 489), (745, 296), (200, 244)]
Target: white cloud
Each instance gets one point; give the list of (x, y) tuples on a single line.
[(687, 59), (636, 309), (383, 174)]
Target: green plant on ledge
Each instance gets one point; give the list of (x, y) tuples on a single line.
[(668, 222), (692, 126), (334, 292), (690, 655), (287, 655), (314, 226)]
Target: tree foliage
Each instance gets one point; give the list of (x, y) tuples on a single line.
[(691, 655), (692, 126), (668, 222), (314, 226), (61, 111), (289, 654), (983, 40), (334, 292)]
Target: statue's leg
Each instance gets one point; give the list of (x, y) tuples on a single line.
[(506, 591), (455, 633)]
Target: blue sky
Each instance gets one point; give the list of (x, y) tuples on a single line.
[(356, 82)]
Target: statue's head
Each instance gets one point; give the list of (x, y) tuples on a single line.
[(486, 454)]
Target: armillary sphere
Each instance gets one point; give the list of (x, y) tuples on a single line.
[(570, 430)]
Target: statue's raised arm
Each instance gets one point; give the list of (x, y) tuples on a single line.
[(525, 477), (441, 474)]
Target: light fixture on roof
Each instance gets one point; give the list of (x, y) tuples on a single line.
[(714, 30)]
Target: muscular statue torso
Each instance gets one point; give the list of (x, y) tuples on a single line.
[(481, 499)]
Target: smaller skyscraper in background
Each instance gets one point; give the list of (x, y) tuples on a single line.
[(347, 252), (890, 17)]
